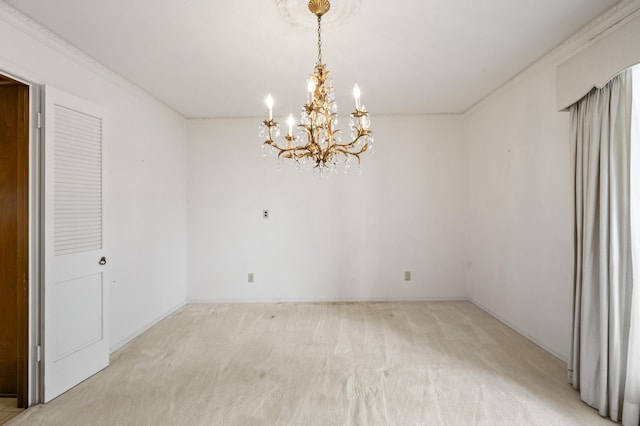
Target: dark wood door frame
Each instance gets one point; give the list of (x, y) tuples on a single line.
[(21, 199)]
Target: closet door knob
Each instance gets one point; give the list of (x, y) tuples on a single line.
[(103, 260)]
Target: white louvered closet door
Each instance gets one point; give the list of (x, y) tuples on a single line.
[(75, 292)]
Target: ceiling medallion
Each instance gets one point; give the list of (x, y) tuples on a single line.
[(297, 13), (317, 143)]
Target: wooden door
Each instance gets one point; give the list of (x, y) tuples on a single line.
[(14, 238), (76, 343)]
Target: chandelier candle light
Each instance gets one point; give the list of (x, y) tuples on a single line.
[(319, 143)]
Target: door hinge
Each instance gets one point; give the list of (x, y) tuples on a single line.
[(39, 120), (38, 353)]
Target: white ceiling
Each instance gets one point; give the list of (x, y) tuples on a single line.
[(214, 58)]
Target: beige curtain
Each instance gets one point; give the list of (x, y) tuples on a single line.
[(631, 408), (601, 128)]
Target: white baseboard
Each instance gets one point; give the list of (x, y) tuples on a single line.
[(516, 329), (327, 300), (145, 327)]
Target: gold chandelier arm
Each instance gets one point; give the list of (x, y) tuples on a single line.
[(311, 137), (361, 133), (355, 154), (304, 149)]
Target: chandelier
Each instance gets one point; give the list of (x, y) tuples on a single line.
[(318, 142)]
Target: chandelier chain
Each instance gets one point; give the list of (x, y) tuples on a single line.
[(319, 41)]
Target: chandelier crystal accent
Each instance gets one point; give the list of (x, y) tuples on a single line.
[(318, 142)]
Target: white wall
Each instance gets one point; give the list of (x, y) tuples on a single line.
[(350, 237), (146, 176), (520, 225)]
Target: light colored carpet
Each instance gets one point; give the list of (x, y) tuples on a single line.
[(414, 363)]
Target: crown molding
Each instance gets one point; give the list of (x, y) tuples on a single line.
[(594, 30), (379, 117), (608, 21), (35, 30)]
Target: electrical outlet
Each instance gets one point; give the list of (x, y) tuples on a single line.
[(407, 275), (250, 277), (265, 214)]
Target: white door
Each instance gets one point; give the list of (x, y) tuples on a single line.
[(75, 292)]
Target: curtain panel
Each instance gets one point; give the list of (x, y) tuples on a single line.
[(631, 408), (603, 281)]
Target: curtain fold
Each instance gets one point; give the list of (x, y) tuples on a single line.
[(631, 407), (603, 282)]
